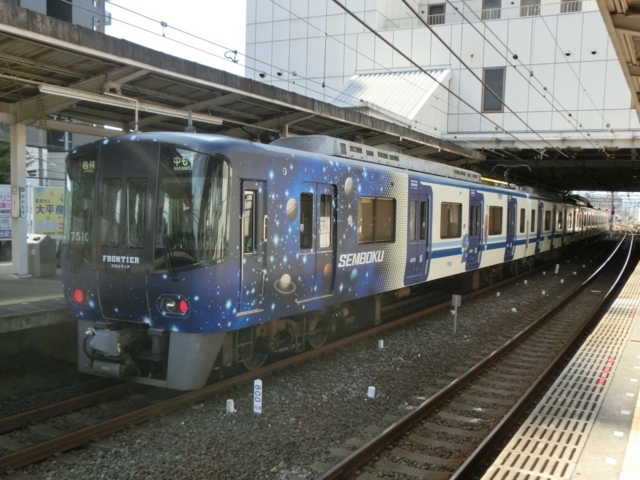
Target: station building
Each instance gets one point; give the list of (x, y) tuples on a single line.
[(551, 63)]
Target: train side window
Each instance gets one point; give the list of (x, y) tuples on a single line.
[(559, 220), (495, 220), (306, 220), (523, 220), (423, 220), (136, 213), (249, 222), (365, 219), (547, 220), (450, 216), (474, 220), (110, 211), (570, 221), (533, 220), (412, 220), (376, 220), (385, 219), (326, 225)]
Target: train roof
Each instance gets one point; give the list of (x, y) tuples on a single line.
[(337, 147)]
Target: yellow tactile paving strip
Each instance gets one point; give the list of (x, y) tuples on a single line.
[(552, 443)]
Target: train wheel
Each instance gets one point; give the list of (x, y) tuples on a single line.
[(318, 337), (260, 354)]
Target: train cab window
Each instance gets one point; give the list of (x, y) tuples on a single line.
[(249, 222), (423, 220), (136, 213), (306, 220), (523, 220), (376, 220), (495, 220), (533, 221), (110, 211), (450, 220), (326, 225), (547, 220)]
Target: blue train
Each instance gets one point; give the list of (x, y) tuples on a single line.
[(186, 252)]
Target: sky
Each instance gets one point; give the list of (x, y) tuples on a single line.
[(200, 30)]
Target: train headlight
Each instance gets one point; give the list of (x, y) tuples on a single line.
[(174, 305)]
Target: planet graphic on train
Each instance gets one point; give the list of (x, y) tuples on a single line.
[(292, 209), (354, 275), (327, 270), (285, 285), (348, 186)]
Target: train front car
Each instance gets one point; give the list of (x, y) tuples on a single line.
[(146, 229)]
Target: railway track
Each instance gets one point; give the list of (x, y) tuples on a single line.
[(446, 435), (150, 409)]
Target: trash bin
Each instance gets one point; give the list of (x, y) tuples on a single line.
[(41, 250)]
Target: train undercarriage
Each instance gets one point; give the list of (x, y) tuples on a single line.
[(184, 361)]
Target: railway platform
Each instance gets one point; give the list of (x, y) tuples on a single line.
[(588, 424), (27, 303)]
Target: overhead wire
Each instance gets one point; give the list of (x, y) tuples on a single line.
[(372, 30), (531, 75)]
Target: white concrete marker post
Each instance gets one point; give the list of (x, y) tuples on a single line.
[(380, 344), (257, 397), (230, 408), (371, 392), (456, 301), (557, 268)]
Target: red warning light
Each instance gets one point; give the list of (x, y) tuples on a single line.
[(78, 295), (183, 306)]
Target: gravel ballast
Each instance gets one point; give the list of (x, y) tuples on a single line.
[(308, 410)]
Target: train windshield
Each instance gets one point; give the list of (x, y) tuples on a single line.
[(78, 208), (192, 208)]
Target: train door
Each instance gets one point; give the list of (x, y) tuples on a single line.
[(317, 241), (253, 245), (325, 220), (417, 258), (510, 247), (539, 235), (476, 224), (124, 237)]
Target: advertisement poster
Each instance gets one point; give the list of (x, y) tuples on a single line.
[(5, 213), (48, 211)]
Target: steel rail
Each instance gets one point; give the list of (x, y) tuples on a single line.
[(37, 414), (66, 442), (366, 452), (498, 432)]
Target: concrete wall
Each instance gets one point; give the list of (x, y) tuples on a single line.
[(312, 42)]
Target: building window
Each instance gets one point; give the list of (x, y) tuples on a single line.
[(96, 24), (529, 8), (571, 6), (493, 91), (495, 220), (436, 14), (450, 216), (490, 9)]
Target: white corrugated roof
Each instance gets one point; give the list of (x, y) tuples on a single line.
[(403, 93)]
